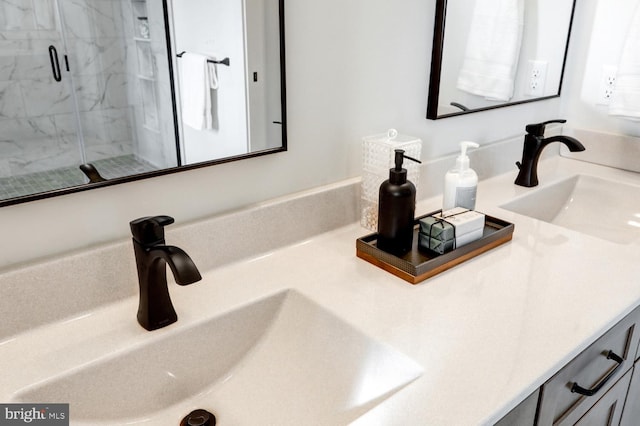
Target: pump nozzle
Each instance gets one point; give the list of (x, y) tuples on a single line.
[(462, 162), (400, 155), (398, 159), (398, 175), (464, 145)]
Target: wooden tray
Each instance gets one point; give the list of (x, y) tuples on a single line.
[(420, 264)]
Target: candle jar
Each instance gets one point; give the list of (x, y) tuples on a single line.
[(143, 27), (378, 156)]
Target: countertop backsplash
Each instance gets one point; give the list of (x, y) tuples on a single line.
[(606, 149), (68, 285)]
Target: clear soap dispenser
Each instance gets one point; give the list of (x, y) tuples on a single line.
[(461, 182)]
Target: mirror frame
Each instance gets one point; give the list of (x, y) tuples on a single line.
[(179, 168), (437, 53)]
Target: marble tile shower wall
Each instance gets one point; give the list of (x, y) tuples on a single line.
[(37, 126)]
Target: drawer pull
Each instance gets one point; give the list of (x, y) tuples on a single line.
[(590, 392)]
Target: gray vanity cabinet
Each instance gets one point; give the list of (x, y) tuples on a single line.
[(595, 371), (631, 414), (524, 414), (600, 386)]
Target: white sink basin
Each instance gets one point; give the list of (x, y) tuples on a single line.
[(281, 360), (591, 205)]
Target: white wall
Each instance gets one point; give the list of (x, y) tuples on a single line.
[(215, 29), (353, 69), (598, 38), (263, 58)]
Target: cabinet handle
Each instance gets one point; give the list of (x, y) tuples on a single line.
[(590, 392)]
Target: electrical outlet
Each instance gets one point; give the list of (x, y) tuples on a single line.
[(607, 84), (537, 75)]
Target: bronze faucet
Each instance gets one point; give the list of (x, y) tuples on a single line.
[(534, 143), (155, 309)]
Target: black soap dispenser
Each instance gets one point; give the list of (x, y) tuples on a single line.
[(396, 209)]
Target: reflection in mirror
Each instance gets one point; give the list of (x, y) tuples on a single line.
[(242, 112), (97, 84), (489, 54)]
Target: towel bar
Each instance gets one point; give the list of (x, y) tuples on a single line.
[(224, 61)]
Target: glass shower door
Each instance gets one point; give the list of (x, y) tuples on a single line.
[(38, 135), (114, 47), (94, 45), (82, 81)]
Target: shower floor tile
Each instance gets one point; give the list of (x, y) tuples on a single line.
[(33, 183)]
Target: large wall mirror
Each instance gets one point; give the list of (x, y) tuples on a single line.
[(95, 92), (489, 54)]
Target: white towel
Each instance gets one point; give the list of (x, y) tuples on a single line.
[(198, 78), (626, 96), (493, 47)]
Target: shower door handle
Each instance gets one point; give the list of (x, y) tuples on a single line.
[(55, 65)]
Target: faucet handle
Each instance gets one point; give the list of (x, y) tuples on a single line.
[(149, 230), (538, 129)]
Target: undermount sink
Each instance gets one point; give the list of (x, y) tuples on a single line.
[(280, 360), (588, 204)]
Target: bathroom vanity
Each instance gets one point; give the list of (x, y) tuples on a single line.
[(562, 401), (464, 347)]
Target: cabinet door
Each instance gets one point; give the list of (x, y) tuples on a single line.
[(593, 370), (631, 413), (608, 410), (524, 414)]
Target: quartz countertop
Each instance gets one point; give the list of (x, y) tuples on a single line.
[(487, 332)]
